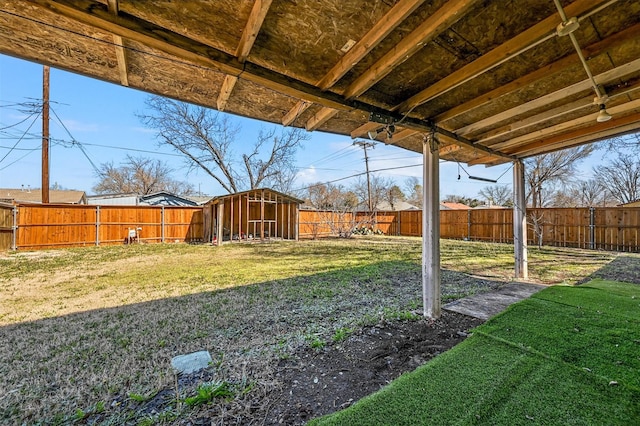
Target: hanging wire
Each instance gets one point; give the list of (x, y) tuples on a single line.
[(21, 137)]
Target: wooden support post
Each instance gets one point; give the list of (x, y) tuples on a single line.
[(45, 134), (262, 215), (97, 225), (519, 222), (162, 224), (219, 227), (431, 229), (231, 211)]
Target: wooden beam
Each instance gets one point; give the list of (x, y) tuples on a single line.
[(431, 278), (517, 45), (121, 59), (546, 116), (447, 15), (520, 222), (225, 91), (568, 125), (298, 108), (252, 28), (550, 98), (526, 150), (363, 130), (403, 134), (449, 149), (482, 160), (630, 128), (114, 8), (596, 49), (371, 39), (381, 29), (319, 118)]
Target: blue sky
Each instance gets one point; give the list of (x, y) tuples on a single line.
[(102, 116)]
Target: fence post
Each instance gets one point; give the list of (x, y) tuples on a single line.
[(162, 224), (14, 229), (469, 225), (97, 225), (592, 228)]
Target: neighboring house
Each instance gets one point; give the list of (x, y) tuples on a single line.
[(164, 198), (489, 206), (635, 203), (453, 206), (161, 198), (56, 196), (127, 199), (384, 206)]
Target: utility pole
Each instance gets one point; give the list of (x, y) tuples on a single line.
[(365, 145), (45, 134)]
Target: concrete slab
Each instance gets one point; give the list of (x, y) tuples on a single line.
[(486, 305), (190, 363)]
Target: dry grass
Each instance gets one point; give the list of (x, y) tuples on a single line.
[(89, 330)]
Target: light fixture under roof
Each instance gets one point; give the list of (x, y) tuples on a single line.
[(567, 27), (603, 115)]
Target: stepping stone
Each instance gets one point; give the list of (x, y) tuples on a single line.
[(486, 305), (190, 363)]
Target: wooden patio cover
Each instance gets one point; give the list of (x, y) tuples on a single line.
[(494, 80)]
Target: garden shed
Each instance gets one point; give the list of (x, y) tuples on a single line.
[(254, 215)]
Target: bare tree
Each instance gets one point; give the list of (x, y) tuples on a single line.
[(393, 196), (544, 171), (336, 207), (380, 187), (139, 175), (499, 195), (208, 140), (583, 193), (621, 177), (468, 201)]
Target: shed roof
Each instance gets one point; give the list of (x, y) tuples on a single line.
[(493, 80), (270, 192)]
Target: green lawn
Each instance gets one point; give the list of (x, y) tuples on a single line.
[(566, 356)]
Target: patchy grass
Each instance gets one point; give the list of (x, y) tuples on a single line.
[(82, 329), (567, 355)]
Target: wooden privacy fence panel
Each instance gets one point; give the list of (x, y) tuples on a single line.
[(6, 227), (617, 229), (52, 226), (320, 223)]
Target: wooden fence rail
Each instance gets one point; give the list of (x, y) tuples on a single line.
[(34, 226), (600, 228)]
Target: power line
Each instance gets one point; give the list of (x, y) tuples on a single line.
[(20, 139)]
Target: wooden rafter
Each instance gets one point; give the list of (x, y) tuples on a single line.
[(589, 52), (93, 14), (249, 35), (320, 117), (613, 127), (584, 121), (403, 134), (293, 113), (394, 17), (483, 160), (558, 95), (449, 149), (225, 91), (114, 8), (365, 129), (371, 39), (252, 28), (451, 12), (519, 44)]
